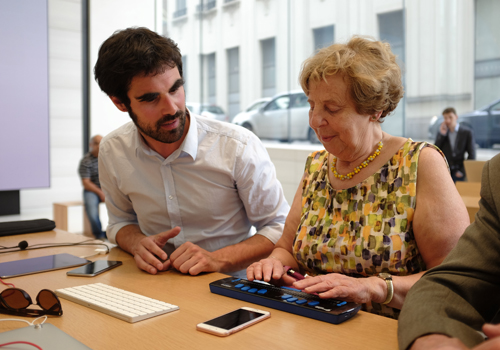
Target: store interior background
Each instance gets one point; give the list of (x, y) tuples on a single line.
[(442, 46)]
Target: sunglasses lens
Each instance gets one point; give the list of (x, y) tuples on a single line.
[(15, 298), (47, 301)]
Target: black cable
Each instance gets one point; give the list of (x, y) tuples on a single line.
[(23, 245)]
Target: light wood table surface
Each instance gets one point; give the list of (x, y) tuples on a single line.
[(177, 330)]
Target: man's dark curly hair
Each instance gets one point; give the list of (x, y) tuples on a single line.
[(131, 52)]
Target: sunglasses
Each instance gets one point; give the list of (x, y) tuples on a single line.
[(15, 301)]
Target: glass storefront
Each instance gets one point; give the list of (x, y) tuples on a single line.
[(241, 51)]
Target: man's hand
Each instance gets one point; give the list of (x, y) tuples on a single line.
[(148, 252), (443, 129), (443, 342), (190, 258)]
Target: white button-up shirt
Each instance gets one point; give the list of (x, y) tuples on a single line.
[(216, 186)]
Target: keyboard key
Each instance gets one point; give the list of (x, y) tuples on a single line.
[(116, 302)]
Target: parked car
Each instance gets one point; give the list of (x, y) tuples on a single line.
[(207, 110), (255, 105), (485, 122), (251, 109), (285, 117)]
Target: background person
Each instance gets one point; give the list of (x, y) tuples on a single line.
[(92, 193), (455, 299), (178, 183), (455, 140), (371, 208)]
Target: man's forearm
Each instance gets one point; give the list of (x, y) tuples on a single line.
[(239, 256), (128, 238)]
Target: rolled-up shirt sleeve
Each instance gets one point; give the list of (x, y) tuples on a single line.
[(260, 190)]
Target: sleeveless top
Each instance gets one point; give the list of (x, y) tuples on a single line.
[(363, 230)]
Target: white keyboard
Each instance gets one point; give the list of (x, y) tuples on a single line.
[(116, 302)]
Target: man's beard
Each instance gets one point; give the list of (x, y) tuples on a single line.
[(157, 132)]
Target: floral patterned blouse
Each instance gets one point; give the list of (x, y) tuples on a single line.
[(363, 230)]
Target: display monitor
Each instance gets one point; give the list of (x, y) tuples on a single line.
[(24, 95)]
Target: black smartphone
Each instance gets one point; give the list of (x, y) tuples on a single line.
[(94, 268)]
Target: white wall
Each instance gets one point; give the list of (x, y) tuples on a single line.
[(65, 97), (107, 16)]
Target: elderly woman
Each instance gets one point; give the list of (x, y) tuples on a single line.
[(373, 211)]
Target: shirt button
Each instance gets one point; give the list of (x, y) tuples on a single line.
[(170, 197)]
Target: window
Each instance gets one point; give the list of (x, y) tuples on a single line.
[(496, 108), (206, 5), (451, 57), (184, 73), (233, 83), (180, 8), (487, 52), (391, 30), (279, 103), (300, 101), (212, 109), (211, 83), (323, 37), (268, 68)]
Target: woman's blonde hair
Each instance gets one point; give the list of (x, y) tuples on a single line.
[(373, 76)]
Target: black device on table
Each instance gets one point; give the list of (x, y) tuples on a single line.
[(94, 268), (286, 299)]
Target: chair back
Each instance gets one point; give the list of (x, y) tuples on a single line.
[(474, 170)]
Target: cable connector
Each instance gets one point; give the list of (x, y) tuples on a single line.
[(98, 251)]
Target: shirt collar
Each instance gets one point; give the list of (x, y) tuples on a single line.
[(190, 143), (456, 127), (189, 146)]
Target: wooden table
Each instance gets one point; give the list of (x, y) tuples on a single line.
[(177, 330)]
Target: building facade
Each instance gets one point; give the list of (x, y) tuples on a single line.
[(236, 51)]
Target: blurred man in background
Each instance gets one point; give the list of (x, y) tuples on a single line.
[(454, 140), (92, 193)]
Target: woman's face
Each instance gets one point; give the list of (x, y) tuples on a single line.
[(333, 117)]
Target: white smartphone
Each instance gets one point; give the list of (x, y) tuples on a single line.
[(94, 268), (233, 321)]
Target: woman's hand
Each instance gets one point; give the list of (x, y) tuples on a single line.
[(269, 269), (338, 286)]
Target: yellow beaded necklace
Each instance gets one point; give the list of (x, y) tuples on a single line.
[(358, 168)]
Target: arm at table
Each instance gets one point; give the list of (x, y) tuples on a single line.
[(454, 298)]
